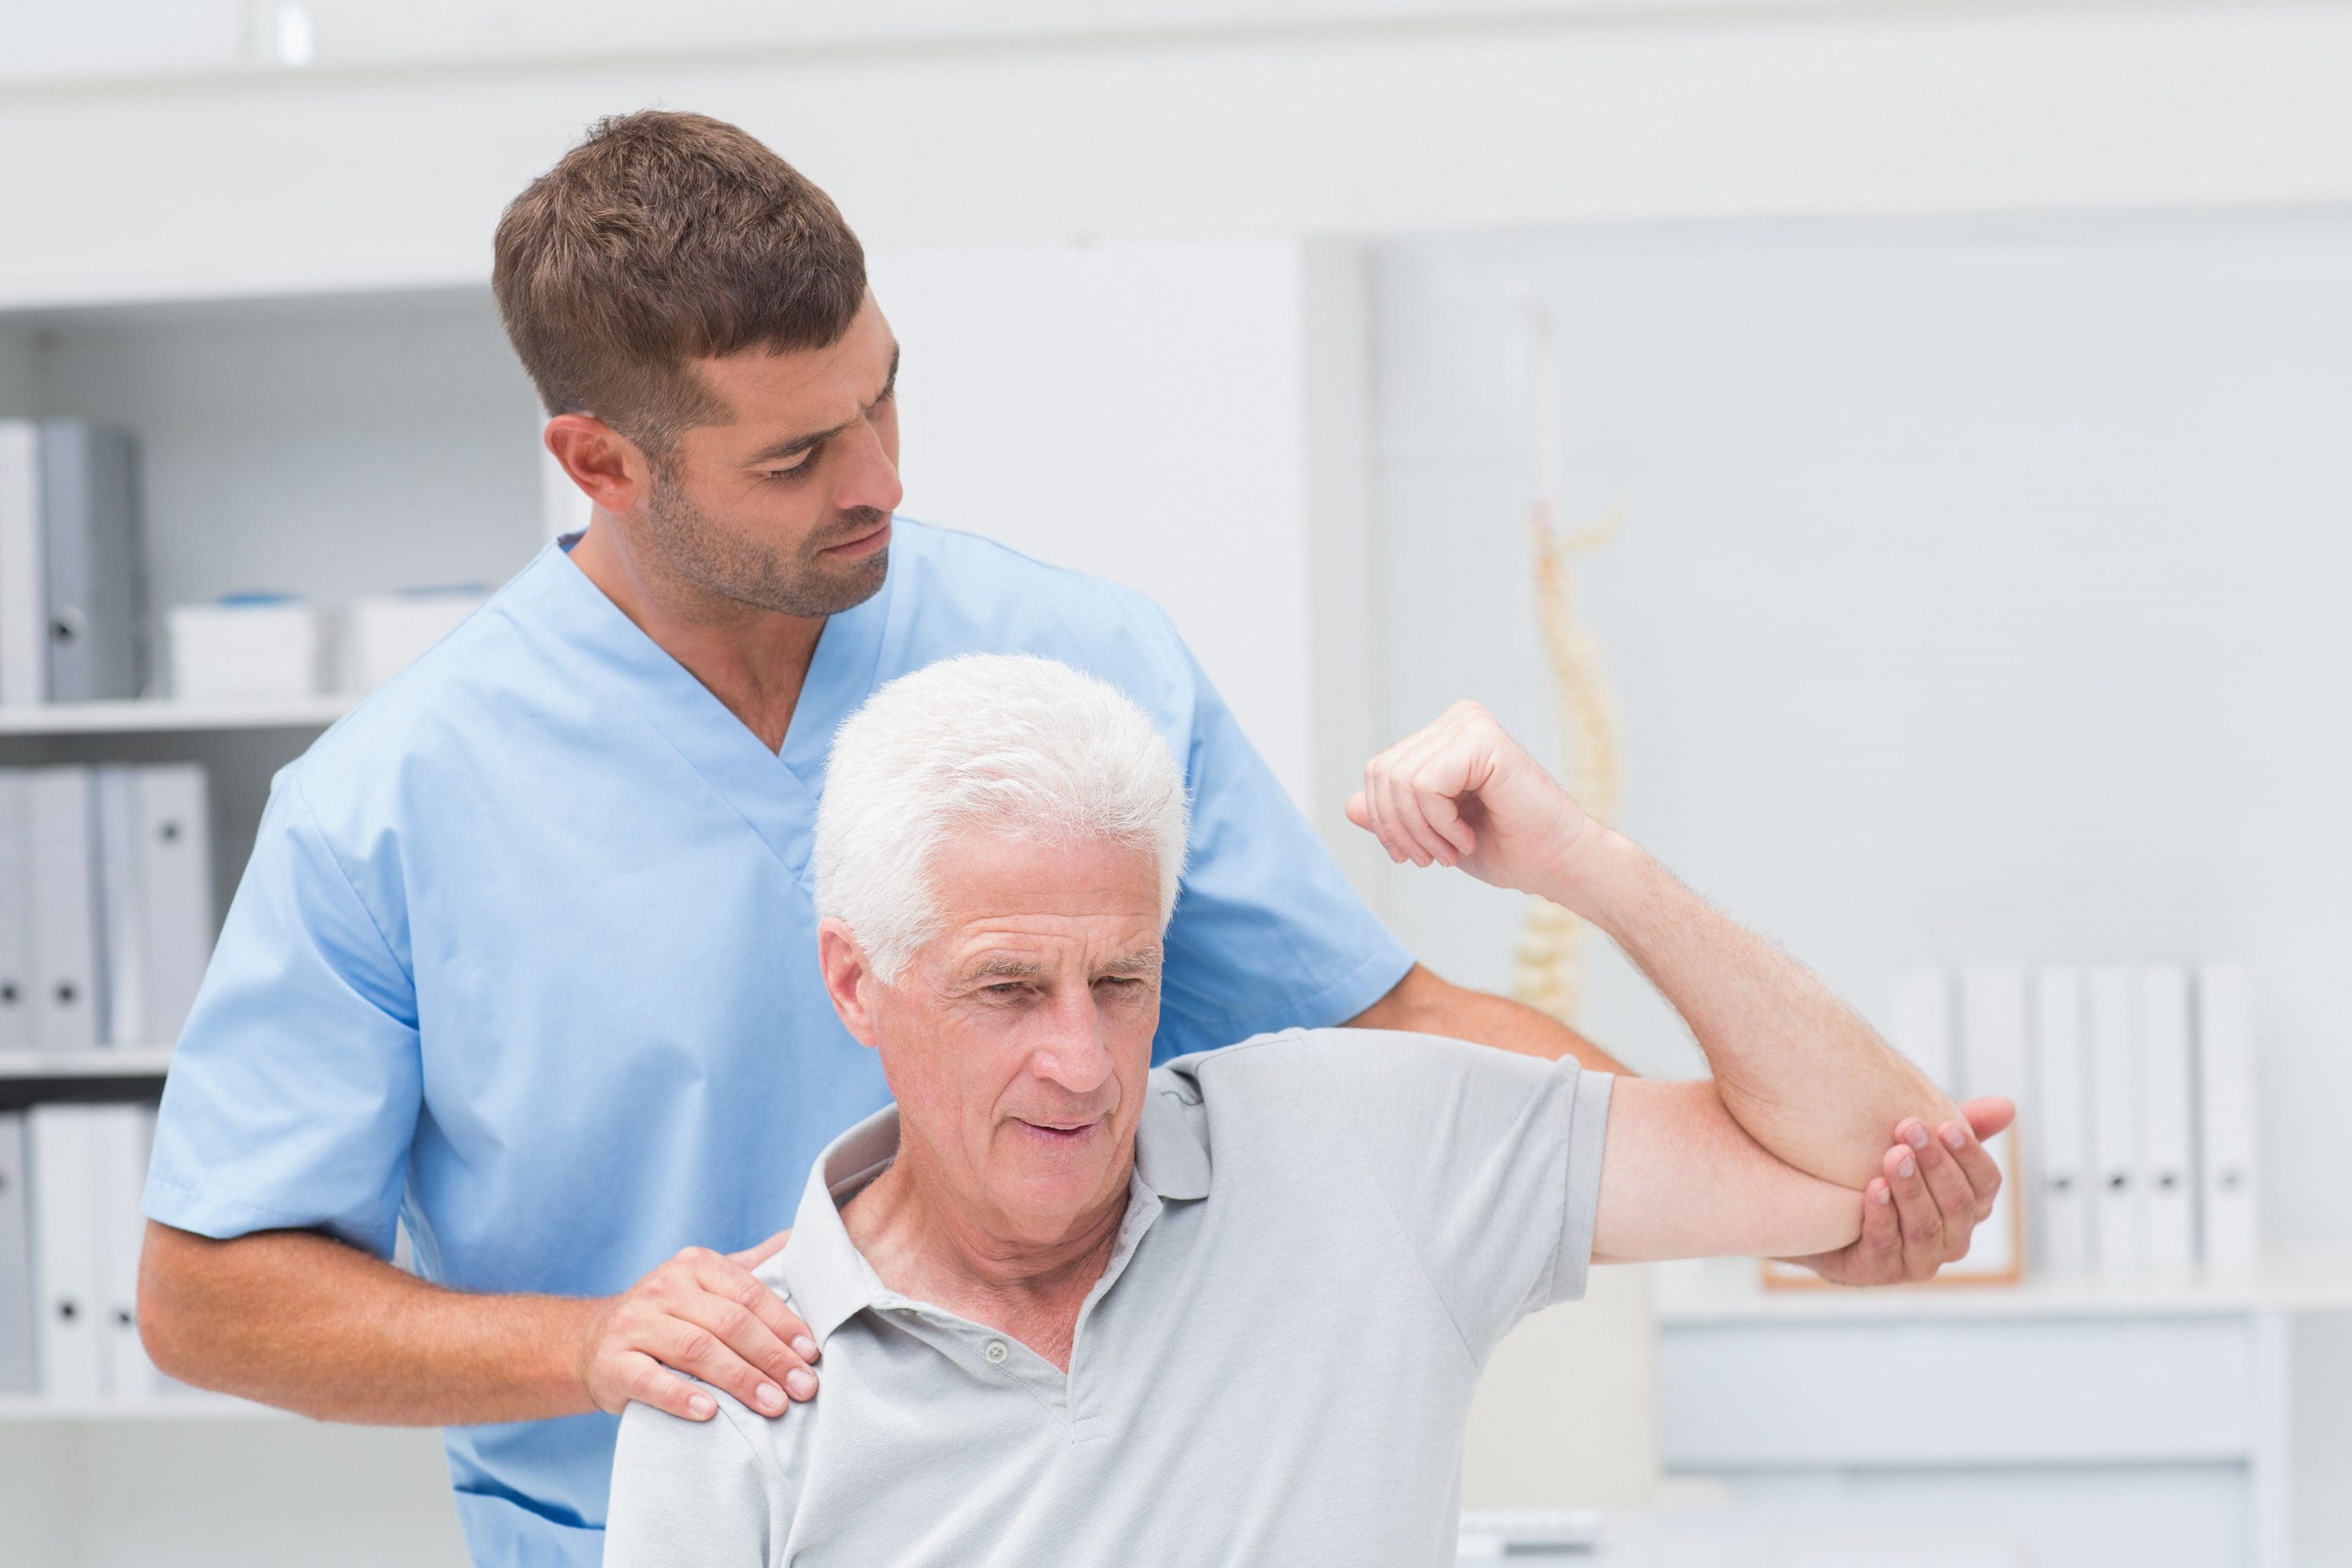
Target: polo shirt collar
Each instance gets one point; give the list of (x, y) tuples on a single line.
[(829, 1281)]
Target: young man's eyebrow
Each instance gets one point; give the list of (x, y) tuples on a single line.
[(793, 447)]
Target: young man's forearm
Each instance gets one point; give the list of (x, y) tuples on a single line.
[(305, 1324), (1802, 1072)]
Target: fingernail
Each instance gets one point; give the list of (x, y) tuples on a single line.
[(771, 1397), (1952, 1136), (1907, 1168), (1915, 1134), (702, 1405), (805, 1348), (1880, 1193), (802, 1381)]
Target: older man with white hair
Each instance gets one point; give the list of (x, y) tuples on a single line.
[(1075, 1310)]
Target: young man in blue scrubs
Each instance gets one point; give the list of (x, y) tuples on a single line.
[(525, 955)]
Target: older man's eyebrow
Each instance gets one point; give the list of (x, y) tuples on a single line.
[(793, 446), (1142, 961), (1004, 967)]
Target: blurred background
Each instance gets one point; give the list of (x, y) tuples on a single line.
[(1971, 384)]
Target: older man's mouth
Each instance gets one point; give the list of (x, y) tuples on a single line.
[(1058, 1132)]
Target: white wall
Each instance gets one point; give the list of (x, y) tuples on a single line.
[(1982, 595), (351, 178)]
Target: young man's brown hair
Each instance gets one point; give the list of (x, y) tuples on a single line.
[(661, 239)]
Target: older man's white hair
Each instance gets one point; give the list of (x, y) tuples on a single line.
[(1003, 743)]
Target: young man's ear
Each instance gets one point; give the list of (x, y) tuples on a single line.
[(605, 464), (847, 976)]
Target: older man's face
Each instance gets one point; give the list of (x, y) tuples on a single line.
[(1018, 1040)]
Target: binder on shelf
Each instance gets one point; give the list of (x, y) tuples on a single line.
[(2166, 1156), (19, 1373), (2225, 1108), (123, 1137), (16, 917), (24, 577), (115, 814), (65, 1249), (62, 906), (174, 820), (95, 566), (2059, 1165), (2115, 1121), (1991, 1060), (1920, 1021)]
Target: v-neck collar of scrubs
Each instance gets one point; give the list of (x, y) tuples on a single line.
[(774, 792)]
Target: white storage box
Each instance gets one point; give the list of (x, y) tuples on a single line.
[(387, 631), (244, 648)]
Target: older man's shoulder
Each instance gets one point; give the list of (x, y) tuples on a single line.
[(1291, 1073)]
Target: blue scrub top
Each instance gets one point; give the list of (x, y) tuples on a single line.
[(525, 957)]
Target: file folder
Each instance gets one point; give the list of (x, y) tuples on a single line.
[(2115, 1120), (63, 908), (175, 891), (65, 1250), (18, 1366), (2225, 1105), (16, 916), (2059, 1165), (92, 549), (23, 576), (2166, 1155), (122, 913), (125, 1134), (1991, 1060)]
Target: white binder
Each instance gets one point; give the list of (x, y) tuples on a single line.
[(65, 1249), (2225, 1106), (63, 908), (24, 573), (1991, 1060), (2115, 1121), (2059, 1165), (16, 916), (2166, 1156), (1920, 1021), (17, 1365), (124, 1136), (176, 882), (122, 912)]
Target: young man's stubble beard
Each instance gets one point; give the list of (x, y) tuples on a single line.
[(795, 581)]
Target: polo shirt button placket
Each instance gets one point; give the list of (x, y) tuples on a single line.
[(997, 1352)]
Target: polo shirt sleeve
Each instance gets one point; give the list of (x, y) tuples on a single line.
[(293, 1096), (692, 1491), (1267, 933), (1488, 1162)]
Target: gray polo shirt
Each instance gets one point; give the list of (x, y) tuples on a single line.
[(1327, 1234)]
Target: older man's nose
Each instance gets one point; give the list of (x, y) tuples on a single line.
[(1075, 1055)]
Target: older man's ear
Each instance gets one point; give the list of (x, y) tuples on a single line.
[(847, 976)]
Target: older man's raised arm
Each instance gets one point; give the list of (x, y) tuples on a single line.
[(1805, 1098)]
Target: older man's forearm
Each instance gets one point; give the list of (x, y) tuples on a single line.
[(1801, 1071)]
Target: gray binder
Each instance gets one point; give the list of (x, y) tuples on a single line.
[(24, 581), (16, 917), (19, 1373), (175, 880), (92, 544), (63, 908)]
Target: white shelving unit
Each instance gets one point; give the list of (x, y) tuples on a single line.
[(2165, 1410), (166, 717), (113, 1061)]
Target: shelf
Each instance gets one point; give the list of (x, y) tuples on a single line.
[(191, 1406), (162, 716), (107, 1061), (2288, 1284)]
